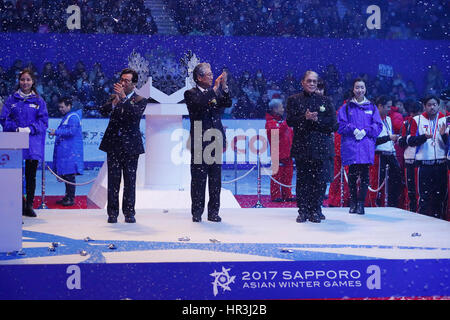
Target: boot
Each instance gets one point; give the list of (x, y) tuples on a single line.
[(352, 206), (29, 212), (27, 209), (360, 207)]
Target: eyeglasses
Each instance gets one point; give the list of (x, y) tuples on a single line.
[(125, 80)]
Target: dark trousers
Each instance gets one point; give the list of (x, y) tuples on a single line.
[(30, 181), (395, 185), (310, 186), (355, 171), (119, 163), (410, 172), (433, 190), (199, 174), (70, 188)]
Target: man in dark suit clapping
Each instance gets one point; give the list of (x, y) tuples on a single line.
[(205, 106), (122, 142)]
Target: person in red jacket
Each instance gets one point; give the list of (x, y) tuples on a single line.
[(396, 116), (275, 121)]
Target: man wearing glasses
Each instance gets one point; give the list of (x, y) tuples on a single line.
[(313, 118), (122, 142)]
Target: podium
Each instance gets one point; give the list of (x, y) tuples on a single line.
[(163, 174), (11, 145)]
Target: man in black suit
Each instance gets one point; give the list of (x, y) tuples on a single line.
[(122, 142), (313, 118), (205, 106)]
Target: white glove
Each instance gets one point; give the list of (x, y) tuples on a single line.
[(356, 133), (361, 134), (26, 129)]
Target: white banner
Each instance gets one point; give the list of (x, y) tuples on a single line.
[(246, 132)]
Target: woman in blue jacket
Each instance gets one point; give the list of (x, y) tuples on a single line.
[(26, 111), (68, 152), (359, 125)]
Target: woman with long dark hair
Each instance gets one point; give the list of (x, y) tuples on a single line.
[(359, 126), (26, 111)]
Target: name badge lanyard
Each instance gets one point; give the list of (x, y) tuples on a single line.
[(434, 130)]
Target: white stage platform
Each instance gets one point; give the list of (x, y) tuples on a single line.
[(380, 233), (251, 254)]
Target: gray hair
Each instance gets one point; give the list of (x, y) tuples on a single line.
[(274, 103), (308, 72), (199, 70)]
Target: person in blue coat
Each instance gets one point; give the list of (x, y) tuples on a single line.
[(359, 126), (68, 153), (26, 111)]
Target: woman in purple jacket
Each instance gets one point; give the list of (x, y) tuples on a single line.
[(359, 125), (26, 111)]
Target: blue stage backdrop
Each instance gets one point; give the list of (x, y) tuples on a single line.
[(275, 56)]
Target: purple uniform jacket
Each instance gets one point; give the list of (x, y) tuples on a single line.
[(30, 111), (353, 116)]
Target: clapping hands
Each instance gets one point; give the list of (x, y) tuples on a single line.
[(221, 81), (311, 115)]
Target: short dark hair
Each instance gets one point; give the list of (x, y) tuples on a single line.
[(135, 76), (415, 107), (66, 100), (429, 97), (383, 99)]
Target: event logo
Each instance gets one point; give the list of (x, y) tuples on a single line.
[(374, 20), (74, 20), (222, 279)]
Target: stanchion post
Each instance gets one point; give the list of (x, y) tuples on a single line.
[(43, 204), (386, 186), (258, 203), (342, 186), (235, 164)]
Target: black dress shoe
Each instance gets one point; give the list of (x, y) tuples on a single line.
[(214, 218), (290, 200), (277, 200), (301, 218), (112, 219), (68, 202), (61, 201), (322, 216), (130, 219), (29, 212), (196, 219), (314, 218)]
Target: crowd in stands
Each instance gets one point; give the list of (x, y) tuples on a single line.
[(97, 16), (251, 92), (409, 19)]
